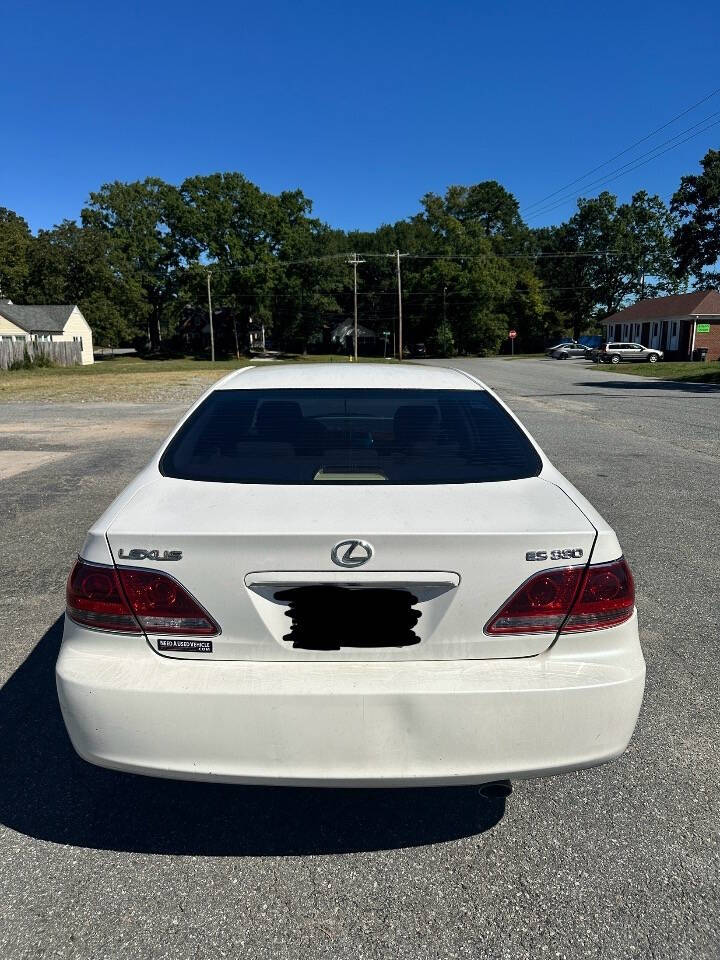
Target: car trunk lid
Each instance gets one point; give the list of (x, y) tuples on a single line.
[(443, 559)]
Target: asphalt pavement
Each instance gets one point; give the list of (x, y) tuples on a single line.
[(617, 862)]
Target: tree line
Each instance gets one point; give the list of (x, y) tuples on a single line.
[(136, 262)]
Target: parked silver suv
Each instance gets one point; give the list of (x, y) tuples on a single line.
[(616, 352)]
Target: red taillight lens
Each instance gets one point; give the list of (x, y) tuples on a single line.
[(163, 606), (540, 605), (601, 596), (126, 600), (95, 599), (607, 597)]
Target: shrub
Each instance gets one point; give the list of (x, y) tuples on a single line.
[(443, 341), (41, 359)]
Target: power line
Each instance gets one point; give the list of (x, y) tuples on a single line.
[(631, 165), (426, 292), (528, 255), (622, 153), (622, 173)]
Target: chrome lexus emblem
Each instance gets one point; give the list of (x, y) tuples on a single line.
[(137, 554), (351, 553)]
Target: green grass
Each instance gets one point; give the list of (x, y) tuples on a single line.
[(128, 365), (682, 371), (131, 364)]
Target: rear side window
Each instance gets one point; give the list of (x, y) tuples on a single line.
[(321, 436)]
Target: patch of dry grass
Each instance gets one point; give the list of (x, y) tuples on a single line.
[(125, 380)]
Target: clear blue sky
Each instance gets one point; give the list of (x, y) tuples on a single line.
[(365, 106)]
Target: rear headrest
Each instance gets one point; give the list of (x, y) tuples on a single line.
[(278, 417), (415, 422)]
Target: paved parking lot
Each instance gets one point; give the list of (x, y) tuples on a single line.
[(621, 861)]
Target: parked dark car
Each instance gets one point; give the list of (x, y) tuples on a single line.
[(629, 352)]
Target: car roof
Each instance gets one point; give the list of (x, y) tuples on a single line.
[(377, 376)]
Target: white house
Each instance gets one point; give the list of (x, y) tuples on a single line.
[(52, 322)]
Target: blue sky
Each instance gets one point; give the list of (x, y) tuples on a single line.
[(363, 106)]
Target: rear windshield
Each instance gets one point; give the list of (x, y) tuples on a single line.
[(321, 436)]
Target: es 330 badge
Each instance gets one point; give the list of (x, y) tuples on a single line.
[(567, 553)]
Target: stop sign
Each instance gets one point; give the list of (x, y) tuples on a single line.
[(512, 334)]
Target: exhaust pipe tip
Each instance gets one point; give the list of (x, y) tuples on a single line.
[(495, 790)]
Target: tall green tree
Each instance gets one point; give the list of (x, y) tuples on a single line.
[(606, 256), (15, 240), (644, 239), (488, 205), (132, 221), (479, 281), (697, 237), (74, 264), (227, 225)]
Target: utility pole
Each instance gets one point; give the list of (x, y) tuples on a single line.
[(399, 289), (212, 332), (355, 263), (642, 278), (397, 256)]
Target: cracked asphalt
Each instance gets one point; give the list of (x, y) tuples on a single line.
[(617, 862)]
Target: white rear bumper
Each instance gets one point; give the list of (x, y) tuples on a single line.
[(350, 724)]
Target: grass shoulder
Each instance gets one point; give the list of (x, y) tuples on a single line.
[(681, 371), (132, 379)]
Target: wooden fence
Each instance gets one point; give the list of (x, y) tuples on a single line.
[(62, 354)]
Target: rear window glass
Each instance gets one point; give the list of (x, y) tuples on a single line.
[(321, 436)]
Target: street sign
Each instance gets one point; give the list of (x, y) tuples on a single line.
[(512, 334), (703, 328)]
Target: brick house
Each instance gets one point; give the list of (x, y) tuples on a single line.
[(678, 324)]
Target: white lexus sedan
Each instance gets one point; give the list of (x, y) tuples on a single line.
[(350, 575)]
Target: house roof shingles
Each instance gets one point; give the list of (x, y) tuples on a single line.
[(702, 303), (38, 318)]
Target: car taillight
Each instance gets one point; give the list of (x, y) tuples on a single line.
[(95, 599), (573, 598), (126, 600), (162, 605), (607, 597)]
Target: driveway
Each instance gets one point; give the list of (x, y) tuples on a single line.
[(617, 862)]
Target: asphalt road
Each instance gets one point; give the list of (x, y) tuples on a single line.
[(620, 861)]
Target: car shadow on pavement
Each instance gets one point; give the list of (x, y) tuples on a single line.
[(649, 383), (48, 792)]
